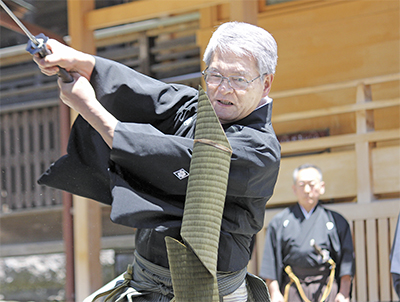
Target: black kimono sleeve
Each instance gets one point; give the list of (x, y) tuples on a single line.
[(130, 97), (345, 255)]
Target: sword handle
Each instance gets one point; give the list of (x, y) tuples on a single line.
[(43, 51), (65, 76)]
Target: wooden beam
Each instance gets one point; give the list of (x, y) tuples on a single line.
[(53, 247), (33, 248), (14, 55), (143, 10), (293, 116), (339, 141), (354, 211), (289, 7), (244, 11), (335, 86)]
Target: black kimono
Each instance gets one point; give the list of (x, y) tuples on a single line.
[(144, 176), (288, 242)]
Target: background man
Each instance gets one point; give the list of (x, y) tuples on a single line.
[(131, 148), (289, 239)]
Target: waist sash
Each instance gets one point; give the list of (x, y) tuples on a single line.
[(146, 278)]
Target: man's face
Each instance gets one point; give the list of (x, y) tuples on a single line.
[(229, 104), (308, 188)]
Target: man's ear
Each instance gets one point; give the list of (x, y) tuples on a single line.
[(268, 79), (322, 188), (294, 189)]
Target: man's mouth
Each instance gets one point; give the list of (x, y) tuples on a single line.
[(225, 102)]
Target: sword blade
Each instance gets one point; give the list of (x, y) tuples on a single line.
[(19, 23)]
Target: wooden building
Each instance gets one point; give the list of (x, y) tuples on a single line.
[(336, 104)]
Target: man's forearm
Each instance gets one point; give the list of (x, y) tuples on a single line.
[(84, 64), (396, 283), (345, 286), (273, 287)]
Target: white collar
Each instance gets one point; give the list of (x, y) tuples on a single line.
[(305, 213)]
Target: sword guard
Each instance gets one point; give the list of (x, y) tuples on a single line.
[(41, 48), (43, 51)]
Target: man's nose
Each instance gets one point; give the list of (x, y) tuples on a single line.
[(307, 188), (225, 85)]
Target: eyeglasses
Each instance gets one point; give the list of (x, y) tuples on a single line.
[(236, 82), (311, 184)]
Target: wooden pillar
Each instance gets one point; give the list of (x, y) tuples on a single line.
[(364, 123), (81, 37), (208, 23), (239, 10), (244, 11), (146, 58), (87, 213), (87, 235)]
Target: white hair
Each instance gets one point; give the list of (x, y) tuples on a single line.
[(243, 39), (306, 166)]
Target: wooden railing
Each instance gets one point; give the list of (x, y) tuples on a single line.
[(343, 163), (29, 144)]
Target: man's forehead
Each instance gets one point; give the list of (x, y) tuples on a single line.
[(308, 174), (230, 60)]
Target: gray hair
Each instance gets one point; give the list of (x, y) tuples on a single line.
[(306, 166), (244, 39)]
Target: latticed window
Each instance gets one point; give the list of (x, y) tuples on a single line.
[(29, 144)]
